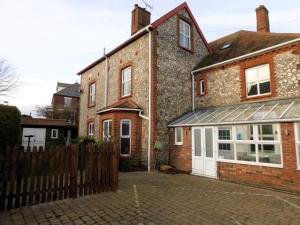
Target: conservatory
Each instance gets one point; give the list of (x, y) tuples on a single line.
[(261, 135)]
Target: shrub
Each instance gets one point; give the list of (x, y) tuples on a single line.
[(10, 126)]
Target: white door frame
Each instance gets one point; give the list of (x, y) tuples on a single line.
[(203, 165)]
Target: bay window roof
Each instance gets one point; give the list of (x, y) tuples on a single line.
[(287, 110)]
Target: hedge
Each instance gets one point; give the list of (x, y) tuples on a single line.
[(10, 126)]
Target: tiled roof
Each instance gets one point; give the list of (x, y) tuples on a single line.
[(70, 91), (126, 104), (242, 43), (43, 122)]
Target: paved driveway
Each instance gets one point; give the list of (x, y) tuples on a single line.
[(155, 198)]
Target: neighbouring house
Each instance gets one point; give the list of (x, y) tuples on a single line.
[(46, 132), (65, 102), (245, 122), (131, 93)]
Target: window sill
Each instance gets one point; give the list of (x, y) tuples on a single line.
[(90, 106), (178, 144), (126, 96), (186, 49), (258, 97), (251, 163)]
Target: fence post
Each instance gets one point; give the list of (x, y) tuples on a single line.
[(12, 177)]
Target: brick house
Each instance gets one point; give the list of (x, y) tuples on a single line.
[(245, 121), (65, 102), (131, 93)]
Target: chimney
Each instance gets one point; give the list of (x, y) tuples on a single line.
[(140, 18), (262, 19)]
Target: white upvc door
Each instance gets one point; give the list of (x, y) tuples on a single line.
[(203, 153)]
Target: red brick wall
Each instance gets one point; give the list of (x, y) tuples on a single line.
[(58, 102), (287, 178), (181, 155), (136, 130)]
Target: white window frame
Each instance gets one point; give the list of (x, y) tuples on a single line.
[(178, 142), (92, 94), (255, 141), (202, 87), (185, 35), (297, 144), (125, 136), (91, 129), (52, 134), (69, 100), (109, 121), (258, 81), (126, 82)]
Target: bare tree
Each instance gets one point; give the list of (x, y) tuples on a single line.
[(8, 81), (44, 111)]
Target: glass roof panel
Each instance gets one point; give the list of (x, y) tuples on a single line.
[(221, 115), (234, 114), (277, 111), (293, 112), (210, 116), (247, 113), (260, 114)]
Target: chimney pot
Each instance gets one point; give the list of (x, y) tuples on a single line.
[(140, 18), (262, 19)]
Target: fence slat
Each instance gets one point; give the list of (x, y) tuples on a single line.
[(44, 173), (33, 173), (81, 169), (50, 173), (39, 164), (56, 172), (26, 174), (67, 171), (61, 172), (19, 174), (12, 178)]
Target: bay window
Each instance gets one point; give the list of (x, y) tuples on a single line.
[(297, 137), (125, 138), (259, 144), (107, 124), (258, 80)]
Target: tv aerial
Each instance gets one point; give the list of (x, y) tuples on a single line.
[(150, 7)]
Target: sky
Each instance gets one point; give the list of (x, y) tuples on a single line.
[(46, 41)]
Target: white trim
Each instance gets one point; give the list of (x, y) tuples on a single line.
[(126, 82), (150, 98), (91, 132), (238, 122), (185, 35), (125, 136), (178, 142), (109, 128), (52, 136), (257, 80), (247, 55), (256, 142), (297, 144), (202, 86)]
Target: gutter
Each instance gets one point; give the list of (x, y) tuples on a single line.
[(234, 60)]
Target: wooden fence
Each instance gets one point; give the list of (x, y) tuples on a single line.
[(42, 175)]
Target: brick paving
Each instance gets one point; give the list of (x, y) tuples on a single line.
[(155, 198)]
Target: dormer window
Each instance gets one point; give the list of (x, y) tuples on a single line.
[(184, 34)]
